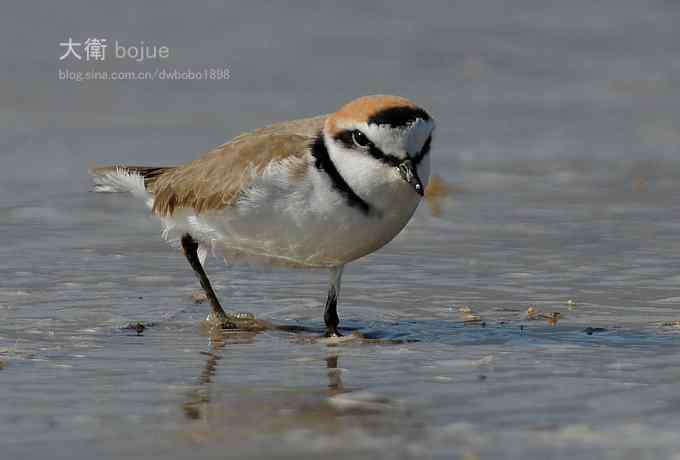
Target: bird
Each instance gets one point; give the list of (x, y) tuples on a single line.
[(315, 193)]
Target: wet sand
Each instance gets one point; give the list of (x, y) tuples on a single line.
[(454, 361)]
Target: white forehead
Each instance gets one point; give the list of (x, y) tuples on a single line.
[(395, 140)]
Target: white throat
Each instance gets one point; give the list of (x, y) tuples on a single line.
[(377, 183)]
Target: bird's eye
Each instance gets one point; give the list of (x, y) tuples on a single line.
[(360, 138)]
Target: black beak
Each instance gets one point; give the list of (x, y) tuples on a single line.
[(409, 173)]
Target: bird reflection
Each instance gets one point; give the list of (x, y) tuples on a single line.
[(335, 385), (199, 398)]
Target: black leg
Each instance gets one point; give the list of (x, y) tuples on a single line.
[(190, 247), (330, 314)]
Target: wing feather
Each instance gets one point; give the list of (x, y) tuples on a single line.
[(218, 178)]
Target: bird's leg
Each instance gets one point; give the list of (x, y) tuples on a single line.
[(330, 313), (190, 247)]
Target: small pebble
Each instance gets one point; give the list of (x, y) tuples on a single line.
[(199, 296), (594, 330), (137, 327)]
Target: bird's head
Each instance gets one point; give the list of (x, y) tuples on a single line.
[(381, 136)]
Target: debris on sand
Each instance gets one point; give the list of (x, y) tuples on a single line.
[(594, 330), (469, 316), (534, 313), (552, 318), (199, 296), (137, 327)]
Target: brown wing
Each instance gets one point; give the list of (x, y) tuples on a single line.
[(217, 179)]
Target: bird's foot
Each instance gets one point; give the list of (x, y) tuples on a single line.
[(332, 331), (236, 320), (220, 322)]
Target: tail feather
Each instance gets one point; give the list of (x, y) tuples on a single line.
[(120, 178)]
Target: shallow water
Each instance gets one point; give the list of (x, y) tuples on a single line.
[(557, 137), (599, 382)]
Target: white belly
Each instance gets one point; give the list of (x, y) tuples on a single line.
[(305, 224)]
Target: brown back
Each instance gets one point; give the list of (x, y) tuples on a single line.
[(217, 179)]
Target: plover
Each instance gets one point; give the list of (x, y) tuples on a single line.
[(316, 192)]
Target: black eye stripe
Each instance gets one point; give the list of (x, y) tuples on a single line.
[(346, 138)]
